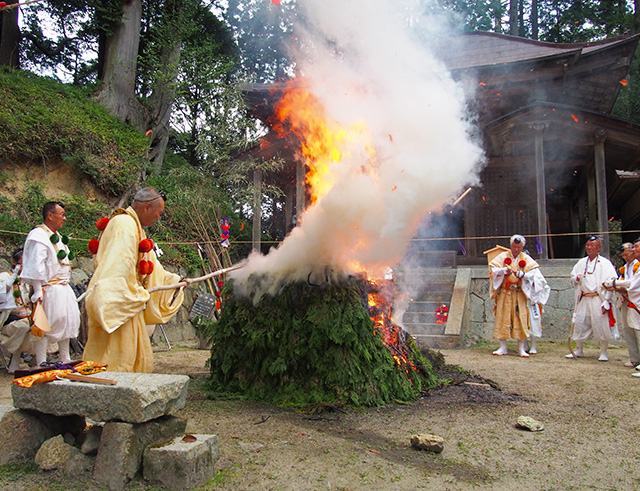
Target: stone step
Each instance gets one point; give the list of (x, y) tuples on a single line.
[(439, 297), (424, 328), (424, 306), (444, 341), (184, 463), (419, 318)]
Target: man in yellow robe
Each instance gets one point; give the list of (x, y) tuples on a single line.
[(118, 303), (518, 289)]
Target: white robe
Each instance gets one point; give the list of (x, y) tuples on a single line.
[(537, 291), (40, 264), (588, 318), (631, 283)]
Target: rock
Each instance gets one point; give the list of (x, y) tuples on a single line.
[(250, 447), (22, 435), (182, 465), (528, 423), (91, 440), (78, 276), (54, 454), (136, 398), (122, 446), (430, 443), (79, 465)]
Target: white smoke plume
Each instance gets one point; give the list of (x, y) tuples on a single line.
[(366, 67)]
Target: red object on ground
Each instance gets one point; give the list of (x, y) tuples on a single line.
[(145, 245), (93, 246), (101, 223)]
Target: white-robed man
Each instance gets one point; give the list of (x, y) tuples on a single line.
[(46, 266), (519, 290), (592, 315), (625, 305), (628, 288)]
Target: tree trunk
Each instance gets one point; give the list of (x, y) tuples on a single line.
[(636, 16), (513, 17), (497, 15), (10, 37), (117, 93), (534, 19), (161, 103), (521, 30)]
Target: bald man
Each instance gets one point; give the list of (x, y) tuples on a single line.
[(119, 305)]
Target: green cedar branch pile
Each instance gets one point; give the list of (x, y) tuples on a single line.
[(311, 345)]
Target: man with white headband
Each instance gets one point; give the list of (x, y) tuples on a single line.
[(592, 314), (519, 290)]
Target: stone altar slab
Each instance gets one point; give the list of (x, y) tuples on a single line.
[(136, 398)]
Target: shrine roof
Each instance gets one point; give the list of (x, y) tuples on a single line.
[(485, 49)]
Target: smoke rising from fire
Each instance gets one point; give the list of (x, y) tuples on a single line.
[(405, 147)]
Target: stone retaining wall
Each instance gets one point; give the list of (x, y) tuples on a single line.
[(556, 316)]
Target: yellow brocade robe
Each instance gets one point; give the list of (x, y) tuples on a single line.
[(118, 303), (511, 309)]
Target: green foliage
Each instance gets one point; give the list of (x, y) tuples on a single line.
[(310, 346), (40, 118), (13, 472)]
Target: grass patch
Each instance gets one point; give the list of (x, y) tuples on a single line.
[(40, 117)]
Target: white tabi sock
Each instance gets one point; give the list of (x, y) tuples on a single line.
[(502, 350), (63, 347), (521, 349), (40, 348), (532, 346), (604, 345)]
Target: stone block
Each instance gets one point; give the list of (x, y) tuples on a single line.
[(183, 464), (55, 453), (136, 398), (79, 465), (428, 442), (91, 440), (122, 446), (22, 435)]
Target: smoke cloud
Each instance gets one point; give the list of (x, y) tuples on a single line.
[(366, 66)]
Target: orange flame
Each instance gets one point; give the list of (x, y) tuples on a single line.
[(575, 118), (624, 82), (322, 142)]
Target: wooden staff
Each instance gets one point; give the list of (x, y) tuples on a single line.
[(188, 281), (183, 283)]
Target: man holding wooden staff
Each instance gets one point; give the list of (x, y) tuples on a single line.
[(119, 302)]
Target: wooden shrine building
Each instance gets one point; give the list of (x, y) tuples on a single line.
[(558, 162)]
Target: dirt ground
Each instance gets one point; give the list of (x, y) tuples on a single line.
[(589, 410)]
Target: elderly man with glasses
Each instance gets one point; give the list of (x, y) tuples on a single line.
[(119, 305)]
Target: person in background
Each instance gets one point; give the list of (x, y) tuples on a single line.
[(592, 314), (624, 305), (519, 290)]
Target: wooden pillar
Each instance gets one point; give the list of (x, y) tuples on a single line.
[(541, 194), (300, 191), (601, 189), (288, 206), (257, 210)]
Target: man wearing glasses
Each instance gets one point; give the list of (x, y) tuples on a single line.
[(592, 315), (118, 303)]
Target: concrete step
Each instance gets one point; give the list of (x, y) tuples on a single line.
[(439, 297), (444, 341), (419, 318), (427, 306), (424, 328)]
